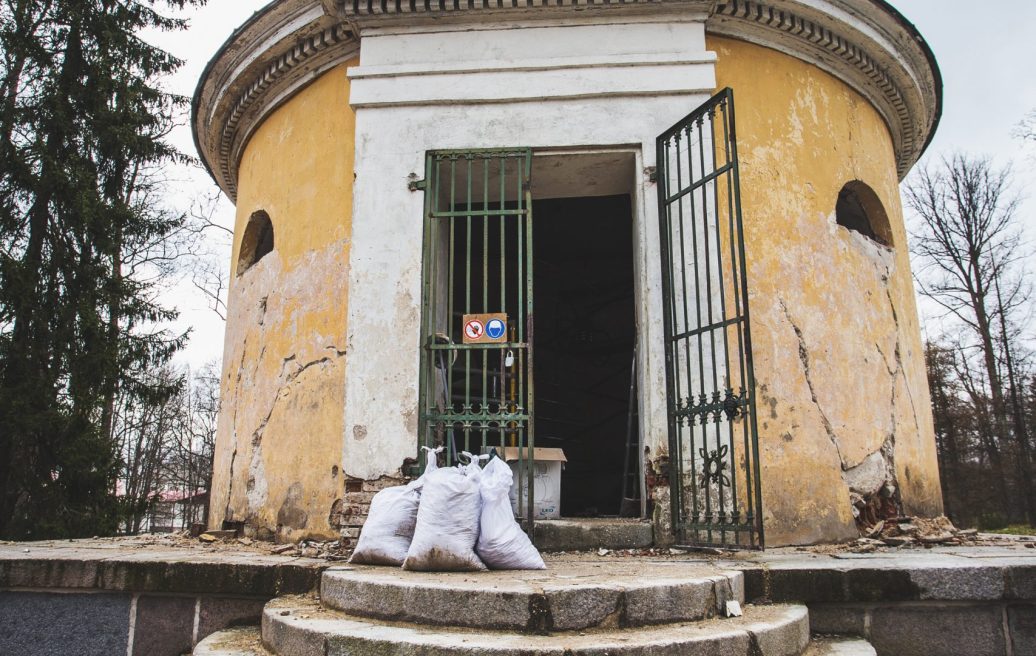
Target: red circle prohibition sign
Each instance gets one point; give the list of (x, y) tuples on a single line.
[(474, 329)]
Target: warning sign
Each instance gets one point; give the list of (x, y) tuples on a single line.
[(473, 330), (485, 328)]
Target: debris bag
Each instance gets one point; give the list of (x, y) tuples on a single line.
[(391, 520), (430, 465), (447, 522), (502, 544)]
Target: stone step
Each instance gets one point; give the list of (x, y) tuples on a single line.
[(568, 597), (839, 646), (299, 626), (240, 641), (593, 534)]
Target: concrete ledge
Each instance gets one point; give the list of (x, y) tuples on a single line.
[(965, 575), (84, 596), (933, 628), (943, 602), (103, 565)]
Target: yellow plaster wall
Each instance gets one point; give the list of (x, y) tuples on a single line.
[(837, 345), (279, 440)]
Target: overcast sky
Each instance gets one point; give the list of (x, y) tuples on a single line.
[(986, 52)]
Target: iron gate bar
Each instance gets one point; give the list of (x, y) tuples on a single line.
[(704, 414), (700, 183), (474, 391)]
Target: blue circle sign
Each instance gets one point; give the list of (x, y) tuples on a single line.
[(495, 329)]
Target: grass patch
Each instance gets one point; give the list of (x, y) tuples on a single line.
[(1015, 529)]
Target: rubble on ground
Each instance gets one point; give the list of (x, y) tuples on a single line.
[(919, 532), (885, 536)]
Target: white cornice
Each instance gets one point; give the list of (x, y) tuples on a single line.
[(871, 50), (280, 50), (283, 47)]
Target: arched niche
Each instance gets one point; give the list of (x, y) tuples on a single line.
[(859, 209), (257, 241)]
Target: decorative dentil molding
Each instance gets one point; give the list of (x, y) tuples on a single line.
[(894, 71), (289, 43)]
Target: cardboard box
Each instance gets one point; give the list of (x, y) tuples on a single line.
[(546, 468)]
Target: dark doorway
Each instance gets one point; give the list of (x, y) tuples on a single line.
[(585, 332)]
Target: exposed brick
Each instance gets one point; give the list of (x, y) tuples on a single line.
[(382, 483), (351, 498)]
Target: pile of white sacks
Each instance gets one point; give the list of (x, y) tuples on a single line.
[(449, 519)]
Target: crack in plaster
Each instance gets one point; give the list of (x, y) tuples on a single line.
[(257, 434), (887, 451), (282, 389), (804, 359), (233, 455), (899, 361), (256, 486)]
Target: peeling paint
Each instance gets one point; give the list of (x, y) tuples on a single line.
[(835, 331), (285, 355)]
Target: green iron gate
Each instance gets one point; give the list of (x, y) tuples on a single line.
[(478, 260), (713, 438)]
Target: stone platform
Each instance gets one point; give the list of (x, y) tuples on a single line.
[(154, 598), (145, 596)]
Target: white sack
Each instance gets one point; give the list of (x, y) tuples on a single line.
[(391, 520), (502, 544), (447, 522)]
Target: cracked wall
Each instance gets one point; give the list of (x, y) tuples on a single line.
[(279, 441), (842, 396)]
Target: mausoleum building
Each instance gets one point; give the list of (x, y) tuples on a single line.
[(664, 237)]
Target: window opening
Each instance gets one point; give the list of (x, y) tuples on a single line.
[(257, 241), (859, 209)]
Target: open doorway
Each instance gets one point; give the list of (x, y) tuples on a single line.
[(585, 334), (545, 243)]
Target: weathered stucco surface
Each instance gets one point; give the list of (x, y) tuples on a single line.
[(279, 441), (843, 397)]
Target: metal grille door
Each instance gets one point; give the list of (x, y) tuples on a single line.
[(713, 439), (478, 261)]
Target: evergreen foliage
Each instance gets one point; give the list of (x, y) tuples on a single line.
[(83, 118)]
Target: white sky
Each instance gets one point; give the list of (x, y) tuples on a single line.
[(986, 52)]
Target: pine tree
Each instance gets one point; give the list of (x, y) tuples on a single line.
[(82, 125)]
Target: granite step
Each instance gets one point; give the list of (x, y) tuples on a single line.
[(593, 534), (568, 598), (300, 626), (239, 641), (839, 646), (247, 641)]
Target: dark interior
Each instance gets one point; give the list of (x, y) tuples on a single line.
[(585, 332)]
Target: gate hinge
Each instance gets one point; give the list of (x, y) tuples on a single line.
[(652, 173), (413, 184)]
